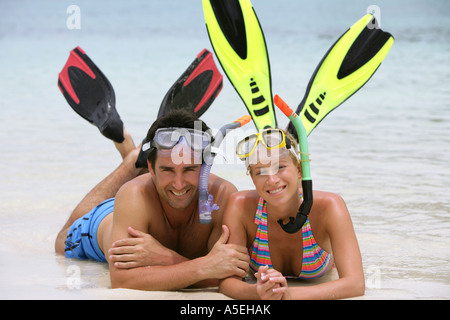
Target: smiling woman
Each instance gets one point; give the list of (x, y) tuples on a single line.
[(326, 237)]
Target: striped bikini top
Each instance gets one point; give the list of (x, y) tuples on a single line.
[(316, 261)]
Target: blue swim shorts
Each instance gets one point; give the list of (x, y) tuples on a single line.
[(81, 242)]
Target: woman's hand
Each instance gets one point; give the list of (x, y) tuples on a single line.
[(271, 284)]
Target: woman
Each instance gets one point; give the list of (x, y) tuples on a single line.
[(254, 217)]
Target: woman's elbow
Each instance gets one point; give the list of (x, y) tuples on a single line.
[(358, 287)]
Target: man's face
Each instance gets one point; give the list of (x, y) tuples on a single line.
[(177, 183)]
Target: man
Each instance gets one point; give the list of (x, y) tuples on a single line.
[(170, 249)]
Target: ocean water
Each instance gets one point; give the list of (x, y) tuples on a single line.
[(385, 150)]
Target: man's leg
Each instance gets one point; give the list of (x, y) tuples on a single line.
[(126, 146), (106, 189)]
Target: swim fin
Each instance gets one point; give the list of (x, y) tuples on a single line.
[(90, 94), (194, 91), (197, 87), (239, 44), (344, 69)]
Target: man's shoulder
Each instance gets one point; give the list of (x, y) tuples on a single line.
[(137, 193), (141, 184)]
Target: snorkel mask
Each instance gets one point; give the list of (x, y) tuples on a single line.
[(274, 141), (168, 138), (199, 141)]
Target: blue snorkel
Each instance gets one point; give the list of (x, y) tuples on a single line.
[(205, 200), (296, 223)]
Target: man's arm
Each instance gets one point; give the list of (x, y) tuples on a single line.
[(222, 261), (141, 250), (130, 211), (159, 278)]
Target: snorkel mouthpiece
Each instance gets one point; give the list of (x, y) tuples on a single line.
[(295, 224), (205, 207)]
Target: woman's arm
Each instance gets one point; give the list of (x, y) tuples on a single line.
[(336, 221), (234, 219)]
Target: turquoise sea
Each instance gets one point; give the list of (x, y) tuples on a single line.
[(386, 150)]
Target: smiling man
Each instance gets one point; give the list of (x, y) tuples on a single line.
[(150, 232)]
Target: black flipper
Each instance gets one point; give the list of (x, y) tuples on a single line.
[(195, 91), (197, 87), (90, 94)]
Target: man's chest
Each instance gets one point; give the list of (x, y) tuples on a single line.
[(190, 243)]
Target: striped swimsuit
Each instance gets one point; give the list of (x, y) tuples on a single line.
[(316, 261)]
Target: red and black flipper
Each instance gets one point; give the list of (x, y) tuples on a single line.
[(90, 94), (197, 87), (194, 91)]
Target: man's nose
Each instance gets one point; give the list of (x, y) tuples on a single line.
[(179, 182)]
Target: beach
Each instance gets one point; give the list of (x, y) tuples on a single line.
[(385, 150)]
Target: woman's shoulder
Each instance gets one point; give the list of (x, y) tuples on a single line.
[(240, 214), (245, 197), (328, 207), (243, 203), (327, 199)]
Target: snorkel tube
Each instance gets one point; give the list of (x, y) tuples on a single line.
[(205, 200), (296, 223)]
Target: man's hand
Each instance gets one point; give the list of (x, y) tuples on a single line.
[(225, 260), (139, 251)]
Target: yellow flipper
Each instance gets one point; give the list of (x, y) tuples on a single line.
[(344, 69), (239, 44)]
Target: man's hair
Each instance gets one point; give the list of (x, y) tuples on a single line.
[(179, 118)]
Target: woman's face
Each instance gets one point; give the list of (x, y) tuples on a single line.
[(276, 179)]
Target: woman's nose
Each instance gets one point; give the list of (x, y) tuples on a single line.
[(272, 178)]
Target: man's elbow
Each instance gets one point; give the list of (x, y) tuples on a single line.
[(120, 280)]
